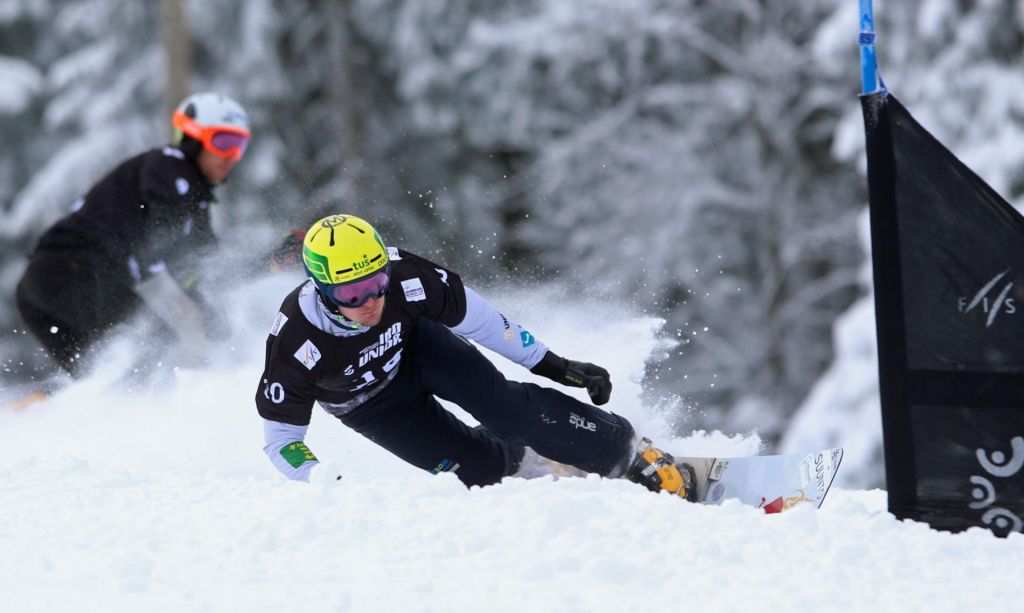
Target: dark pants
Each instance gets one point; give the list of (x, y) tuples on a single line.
[(408, 421), (69, 299)]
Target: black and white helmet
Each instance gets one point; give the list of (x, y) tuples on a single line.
[(215, 120)]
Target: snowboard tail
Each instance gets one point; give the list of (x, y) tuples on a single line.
[(775, 483)]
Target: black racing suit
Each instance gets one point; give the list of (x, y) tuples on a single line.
[(149, 213), (384, 381)]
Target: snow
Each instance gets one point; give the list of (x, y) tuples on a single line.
[(163, 501), (21, 82)]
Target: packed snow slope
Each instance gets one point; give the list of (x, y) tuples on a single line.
[(162, 500)]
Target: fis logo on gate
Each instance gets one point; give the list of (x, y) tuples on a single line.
[(991, 300)]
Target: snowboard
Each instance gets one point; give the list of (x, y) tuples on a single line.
[(774, 483)]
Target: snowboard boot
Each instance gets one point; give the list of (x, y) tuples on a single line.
[(657, 470)]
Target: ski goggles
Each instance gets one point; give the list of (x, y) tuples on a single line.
[(356, 293), (222, 141)]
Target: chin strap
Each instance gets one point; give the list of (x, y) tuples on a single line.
[(334, 314)]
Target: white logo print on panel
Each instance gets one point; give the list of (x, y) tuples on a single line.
[(997, 465), (414, 291), (308, 354)]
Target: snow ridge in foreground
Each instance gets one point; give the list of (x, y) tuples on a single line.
[(163, 501)]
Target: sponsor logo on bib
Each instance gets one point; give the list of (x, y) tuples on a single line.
[(414, 291), (308, 354), (279, 323)]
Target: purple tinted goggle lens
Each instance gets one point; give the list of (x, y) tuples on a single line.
[(355, 294), (226, 141)]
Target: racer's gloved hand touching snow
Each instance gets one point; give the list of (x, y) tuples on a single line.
[(288, 254), (576, 374)]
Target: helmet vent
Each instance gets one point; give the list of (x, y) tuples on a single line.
[(357, 228), (190, 111)]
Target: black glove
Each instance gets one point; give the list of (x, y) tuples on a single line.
[(288, 255), (576, 374)]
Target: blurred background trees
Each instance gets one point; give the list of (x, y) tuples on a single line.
[(694, 160)]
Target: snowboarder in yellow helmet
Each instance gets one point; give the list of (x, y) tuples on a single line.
[(373, 337)]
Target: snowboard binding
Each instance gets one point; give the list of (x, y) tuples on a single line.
[(657, 470)]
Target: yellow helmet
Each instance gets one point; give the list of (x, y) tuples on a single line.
[(341, 249)]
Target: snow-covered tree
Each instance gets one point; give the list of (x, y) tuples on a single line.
[(671, 155), (688, 159), (64, 110)]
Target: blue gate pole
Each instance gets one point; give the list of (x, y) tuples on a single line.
[(870, 82)]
